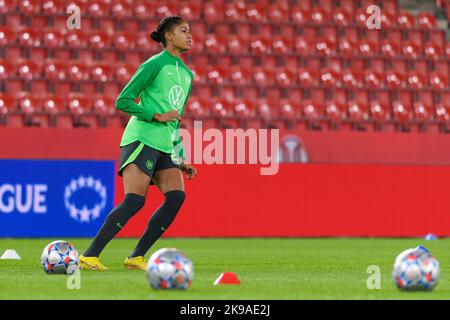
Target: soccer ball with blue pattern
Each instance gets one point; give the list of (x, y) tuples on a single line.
[(169, 268), (416, 269), (59, 257)]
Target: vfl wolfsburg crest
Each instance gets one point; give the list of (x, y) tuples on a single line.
[(176, 97)]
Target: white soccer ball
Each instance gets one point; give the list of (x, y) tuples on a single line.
[(169, 268), (59, 257), (416, 269)]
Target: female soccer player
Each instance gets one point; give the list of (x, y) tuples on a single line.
[(149, 151)]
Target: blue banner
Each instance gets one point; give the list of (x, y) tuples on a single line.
[(54, 198)]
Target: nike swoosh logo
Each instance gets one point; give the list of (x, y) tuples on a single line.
[(90, 267)]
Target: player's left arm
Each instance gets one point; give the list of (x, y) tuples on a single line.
[(178, 146)]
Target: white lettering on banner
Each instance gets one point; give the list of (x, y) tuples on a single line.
[(9, 206), (23, 198)]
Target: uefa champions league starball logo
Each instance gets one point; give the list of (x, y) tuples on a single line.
[(82, 210)]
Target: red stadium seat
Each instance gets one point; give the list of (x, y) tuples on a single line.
[(77, 71), (101, 72), (329, 77), (54, 70), (236, 44), (213, 12), (423, 108), (197, 107), (411, 50), (53, 38), (144, 9), (379, 108), (390, 48), (433, 51), (285, 77), (299, 15), (308, 77), (8, 6), (342, 17), (235, 11), (7, 70), (402, 107), (76, 39), (29, 7), (335, 110), (29, 70), (124, 41), (263, 76), (405, 20), (29, 37), (7, 36), (416, 80), (347, 47), (358, 107), (244, 108), (199, 74), (9, 113), (240, 76), (221, 108), (368, 48), (325, 47), (394, 80), (443, 108), (426, 20), (303, 45), (281, 45), (260, 46), (217, 74), (373, 79), (278, 12), (361, 17), (52, 7), (123, 73), (351, 78), (214, 43), (289, 110), (388, 20), (319, 16), (256, 12), (121, 10), (98, 8), (190, 10), (52, 104), (31, 107), (99, 40), (144, 42), (438, 81)]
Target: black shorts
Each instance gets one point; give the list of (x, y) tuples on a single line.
[(146, 158)]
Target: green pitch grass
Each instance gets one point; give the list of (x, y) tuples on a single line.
[(268, 269)]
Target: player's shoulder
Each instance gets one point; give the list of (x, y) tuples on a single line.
[(154, 60)]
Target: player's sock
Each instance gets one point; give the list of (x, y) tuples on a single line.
[(115, 221), (160, 221)]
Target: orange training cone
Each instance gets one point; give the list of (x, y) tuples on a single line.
[(227, 278)]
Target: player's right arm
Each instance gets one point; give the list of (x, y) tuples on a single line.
[(140, 80)]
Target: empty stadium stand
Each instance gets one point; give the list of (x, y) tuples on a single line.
[(282, 64)]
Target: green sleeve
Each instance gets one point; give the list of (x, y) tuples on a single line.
[(178, 144), (178, 147), (140, 80)]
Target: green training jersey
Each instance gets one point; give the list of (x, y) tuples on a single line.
[(163, 83)]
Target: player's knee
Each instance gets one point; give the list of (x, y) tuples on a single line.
[(175, 198), (134, 202), (131, 204)]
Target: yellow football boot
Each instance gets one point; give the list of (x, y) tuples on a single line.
[(136, 263), (91, 263)]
